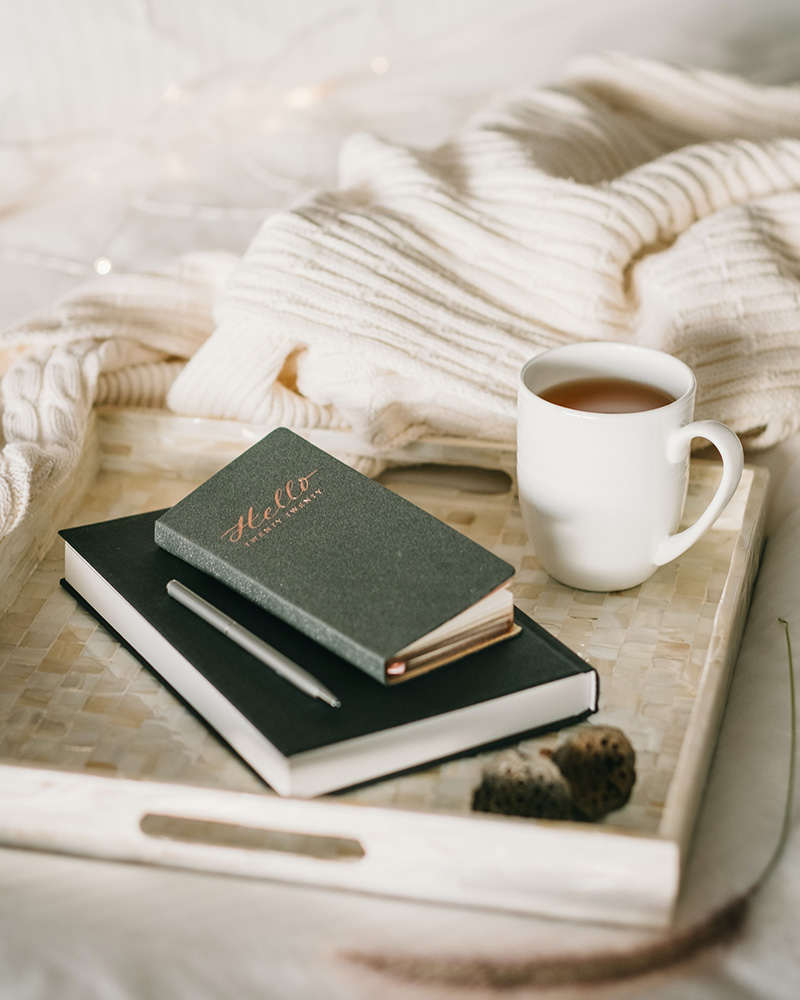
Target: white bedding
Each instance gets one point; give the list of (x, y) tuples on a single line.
[(134, 132)]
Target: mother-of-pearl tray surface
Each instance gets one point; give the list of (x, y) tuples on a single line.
[(84, 726)]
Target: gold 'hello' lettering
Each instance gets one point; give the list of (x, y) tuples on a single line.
[(293, 490)]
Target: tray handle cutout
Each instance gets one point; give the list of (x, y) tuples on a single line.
[(474, 479), (235, 835)]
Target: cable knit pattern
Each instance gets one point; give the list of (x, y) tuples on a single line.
[(118, 340), (636, 202)]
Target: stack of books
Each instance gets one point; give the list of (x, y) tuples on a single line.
[(328, 630)]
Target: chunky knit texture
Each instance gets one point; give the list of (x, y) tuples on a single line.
[(117, 340), (635, 202)]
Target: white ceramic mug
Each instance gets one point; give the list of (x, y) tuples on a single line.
[(602, 493)]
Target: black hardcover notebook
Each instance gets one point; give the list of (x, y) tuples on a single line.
[(356, 567), (298, 744)]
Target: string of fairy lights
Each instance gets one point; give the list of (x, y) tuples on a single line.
[(231, 116), (283, 108)]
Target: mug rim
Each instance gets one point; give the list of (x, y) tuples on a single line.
[(601, 346)]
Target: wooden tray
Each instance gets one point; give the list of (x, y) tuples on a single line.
[(98, 758)]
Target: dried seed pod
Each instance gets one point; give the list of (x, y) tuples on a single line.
[(599, 764), (518, 785)]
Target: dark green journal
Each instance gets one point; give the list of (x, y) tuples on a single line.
[(360, 570)]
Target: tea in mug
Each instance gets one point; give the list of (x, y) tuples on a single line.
[(606, 394)]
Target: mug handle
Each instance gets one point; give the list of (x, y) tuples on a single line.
[(730, 448)]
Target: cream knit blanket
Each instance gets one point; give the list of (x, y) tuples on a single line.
[(635, 202)]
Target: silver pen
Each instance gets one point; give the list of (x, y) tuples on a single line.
[(282, 665)]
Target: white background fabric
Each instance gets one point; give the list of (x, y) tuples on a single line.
[(126, 132)]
